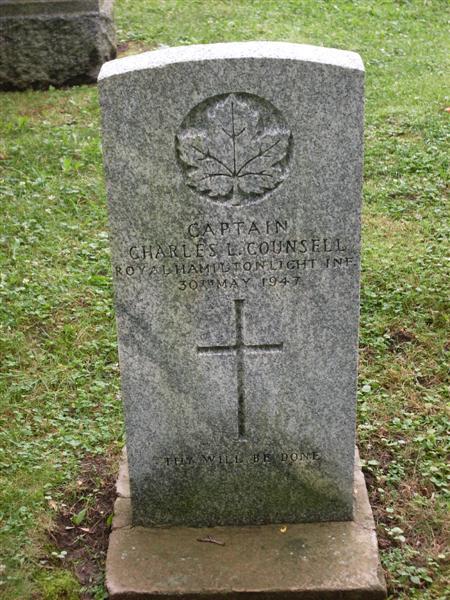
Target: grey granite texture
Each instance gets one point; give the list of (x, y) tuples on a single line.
[(56, 43), (234, 177), (309, 561)]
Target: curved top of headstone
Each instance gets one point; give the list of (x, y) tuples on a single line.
[(232, 50)]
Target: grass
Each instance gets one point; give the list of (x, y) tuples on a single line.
[(59, 380)]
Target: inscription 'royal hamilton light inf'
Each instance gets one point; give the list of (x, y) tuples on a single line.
[(234, 148)]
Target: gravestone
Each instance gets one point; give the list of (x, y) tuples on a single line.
[(234, 182), (54, 42)]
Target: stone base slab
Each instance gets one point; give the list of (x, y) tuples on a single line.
[(307, 561)]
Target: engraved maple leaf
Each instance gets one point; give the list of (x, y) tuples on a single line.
[(233, 155)]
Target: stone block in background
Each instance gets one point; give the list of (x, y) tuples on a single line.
[(60, 42)]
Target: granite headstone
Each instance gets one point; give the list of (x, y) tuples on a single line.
[(54, 42), (234, 185)]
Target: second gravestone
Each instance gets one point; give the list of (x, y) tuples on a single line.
[(54, 42), (234, 180)]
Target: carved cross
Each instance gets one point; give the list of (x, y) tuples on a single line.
[(239, 348)]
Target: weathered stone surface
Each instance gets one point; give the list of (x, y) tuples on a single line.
[(234, 174), (320, 561), (45, 42), (123, 479)]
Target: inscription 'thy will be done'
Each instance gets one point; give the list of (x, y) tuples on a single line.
[(256, 458)]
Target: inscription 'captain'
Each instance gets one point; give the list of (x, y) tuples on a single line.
[(237, 228)]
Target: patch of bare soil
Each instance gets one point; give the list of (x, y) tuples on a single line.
[(399, 337), (82, 525)]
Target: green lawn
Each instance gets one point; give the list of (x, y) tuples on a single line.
[(61, 424)]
